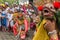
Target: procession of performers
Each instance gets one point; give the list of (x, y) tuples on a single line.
[(42, 21)]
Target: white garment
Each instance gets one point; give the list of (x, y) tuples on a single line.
[(17, 8), (11, 23), (4, 12), (0, 15), (12, 9), (9, 16), (7, 9), (29, 12)]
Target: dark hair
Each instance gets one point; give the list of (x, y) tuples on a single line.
[(23, 29), (31, 20)]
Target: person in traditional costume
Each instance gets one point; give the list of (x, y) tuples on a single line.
[(16, 22), (4, 18), (47, 29)]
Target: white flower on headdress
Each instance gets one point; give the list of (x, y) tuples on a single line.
[(6, 3)]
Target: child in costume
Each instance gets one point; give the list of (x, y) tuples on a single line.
[(21, 29), (22, 33), (4, 21)]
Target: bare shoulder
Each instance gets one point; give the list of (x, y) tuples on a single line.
[(49, 26)]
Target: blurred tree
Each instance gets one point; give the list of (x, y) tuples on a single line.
[(1, 1), (9, 1)]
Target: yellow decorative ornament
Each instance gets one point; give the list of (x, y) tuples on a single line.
[(2, 5), (41, 33)]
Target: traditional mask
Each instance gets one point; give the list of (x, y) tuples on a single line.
[(48, 10)]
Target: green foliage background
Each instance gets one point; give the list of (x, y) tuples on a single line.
[(9, 1)]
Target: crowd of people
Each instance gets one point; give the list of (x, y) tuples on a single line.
[(19, 19)]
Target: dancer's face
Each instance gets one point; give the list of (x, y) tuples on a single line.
[(47, 13)]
